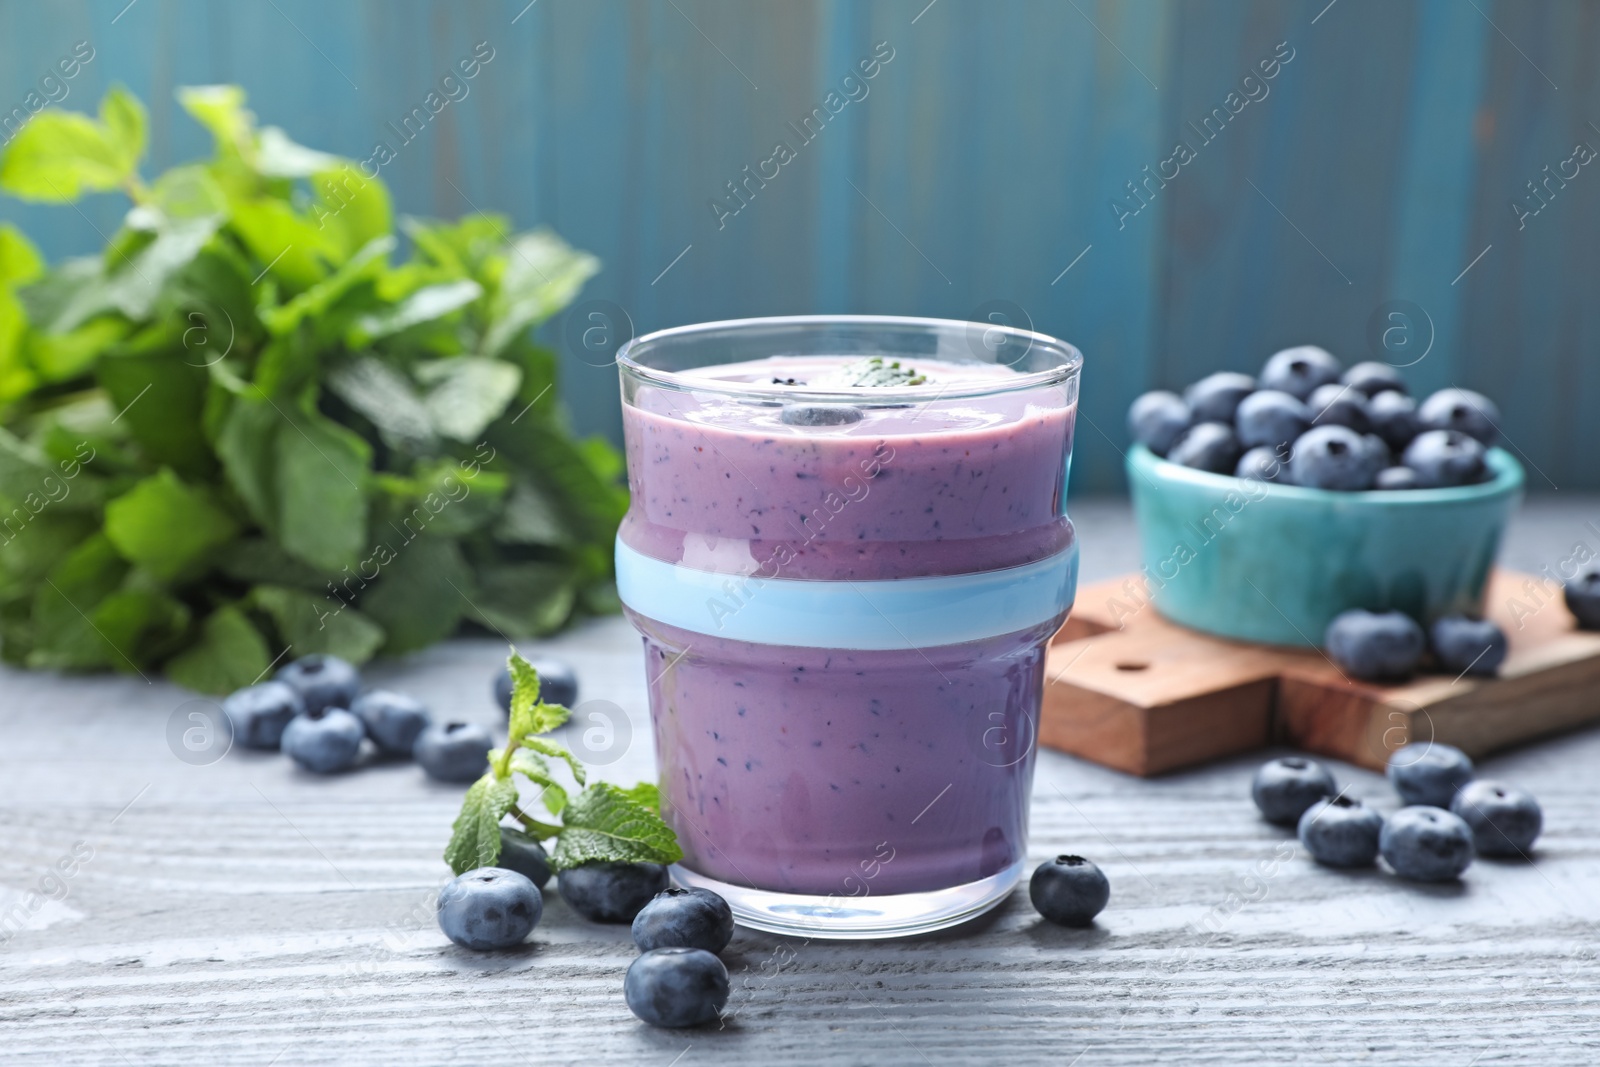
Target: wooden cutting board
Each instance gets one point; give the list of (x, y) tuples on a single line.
[(1126, 688)]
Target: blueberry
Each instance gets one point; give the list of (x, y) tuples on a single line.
[(324, 740), (611, 892), (453, 751), (1069, 890), (1331, 457), (525, 855), (1341, 832), (489, 908), (260, 712), (1374, 378), (322, 681), (1375, 645), (1426, 844), (1208, 446), (1445, 457), (1504, 820), (676, 987), (1216, 397), (1394, 418), (1157, 419), (393, 720), (1377, 453), (819, 415), (684, 918), (1299, 370), (1426, 772), (1468, 646), (1339, 405), (1272, 418), (1582, 594), (1396, 478), (1284, 788), (558, 683), (1261, 464), (1462, 410)]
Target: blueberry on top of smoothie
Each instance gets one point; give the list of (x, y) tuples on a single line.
[(819, 415)]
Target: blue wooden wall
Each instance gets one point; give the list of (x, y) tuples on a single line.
[(984, 160)]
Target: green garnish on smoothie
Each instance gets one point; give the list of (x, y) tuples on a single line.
[(872, 372)]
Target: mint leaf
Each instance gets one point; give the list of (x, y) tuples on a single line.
[(550, 748), (537, 771), (605, 824), (321, 502), (871, 372), (475, 835), (309, 622), (420, 593), (385, 396), (468, 394), (542, 275), (425, 305), (230, 654), (19, 260), (60, 155), (528, 715), (220, 109), (166, 526)]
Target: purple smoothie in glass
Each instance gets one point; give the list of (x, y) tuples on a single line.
[(819, 771)]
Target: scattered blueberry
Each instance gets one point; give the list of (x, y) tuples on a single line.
[(1468, 646), (324, 740), (1339, 405), (1299, 370), (1341, 832), (558, 683), (684, 918), (1374, 378), (1504, 820), (489, 908), (393, 720), (322, 681), (1069, 890), (1261, 464), (1157, 419), (1208, 446), (260, 712), (1331, 457), (611, 892), (525, 855), (1426, 844), (1461, 410), (819, 415), (1394, 418), (1444, 458), (1375, 645), (1429, 773), (1216, 397), (1582, 594), (453, 751), (1396, 478), (1284, 788), (676, 987), (1272, 418)]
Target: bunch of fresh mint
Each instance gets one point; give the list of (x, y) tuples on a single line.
[(246, 428), (601, 823)]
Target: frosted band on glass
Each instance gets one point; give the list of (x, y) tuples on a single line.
[(879, 615)]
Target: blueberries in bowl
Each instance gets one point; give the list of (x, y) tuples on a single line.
[(1375, 646), (1443, 458), (1299, 370), (1429, 773), (1504, 820), (1331, 457), (1208, 446), (1157, 419), (1341, 832), (1461, 410), (1468, 646), (1069, 890), (1582, 594), (1339, 405), (1374, 378), (1426, 844), (1271, 418), (1261, 464), (1396, 478), (1393, 417), (322, 681), (1284, 788), (1216, 397), (453, 751), (259, 713), (684, 918)]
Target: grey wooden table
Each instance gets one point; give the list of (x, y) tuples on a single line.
[(244, 913)]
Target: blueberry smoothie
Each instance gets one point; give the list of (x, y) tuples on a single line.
[(849, 594)]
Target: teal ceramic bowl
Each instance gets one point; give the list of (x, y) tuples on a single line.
[(1275, 563)]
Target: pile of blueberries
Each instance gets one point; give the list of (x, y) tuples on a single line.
[(1449, 817), (1309, 422), (316, 712)]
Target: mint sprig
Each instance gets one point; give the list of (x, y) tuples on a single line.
[(874, 371), (600, 823)]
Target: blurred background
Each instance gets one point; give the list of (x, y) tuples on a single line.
[(1404, 181)]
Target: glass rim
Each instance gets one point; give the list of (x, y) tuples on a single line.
[(1069, 367)]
